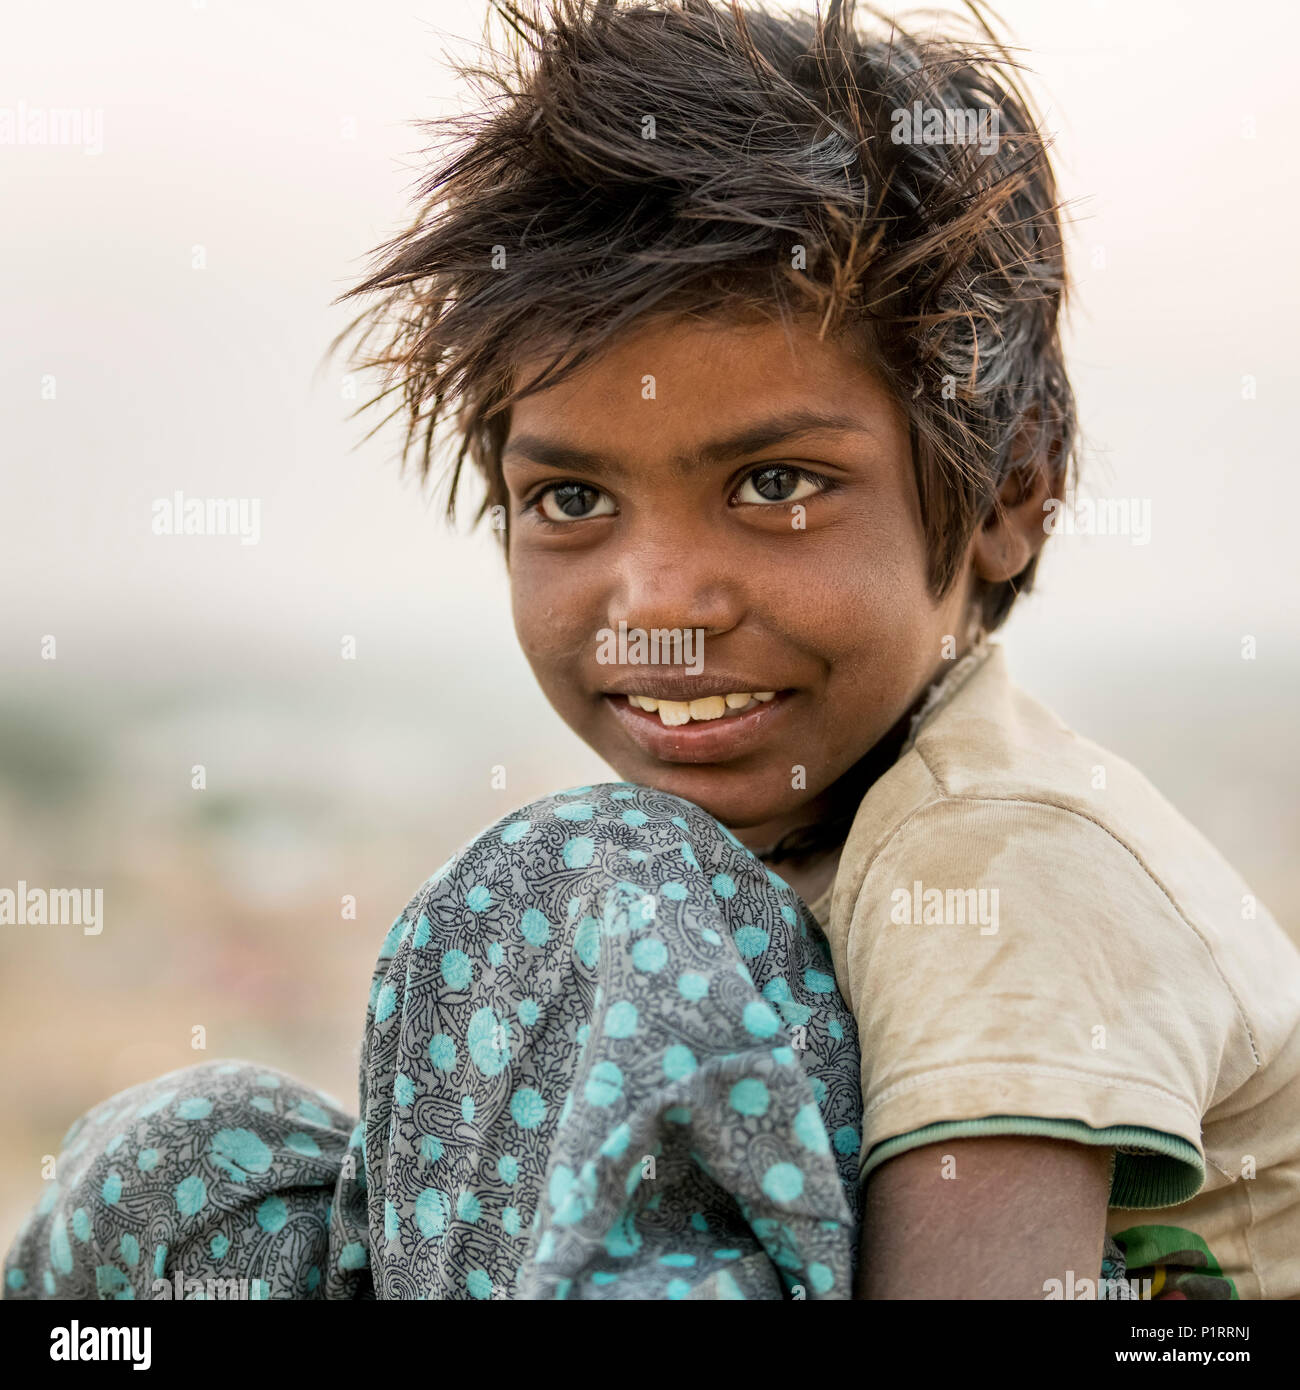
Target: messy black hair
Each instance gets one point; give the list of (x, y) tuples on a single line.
[(640, 158)]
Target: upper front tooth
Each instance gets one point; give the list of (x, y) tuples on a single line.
[(709, 707), (765, 695), (673, 712), (738, 701), (644, 702)]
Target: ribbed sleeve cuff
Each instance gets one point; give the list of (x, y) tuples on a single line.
[(1152, 1168)]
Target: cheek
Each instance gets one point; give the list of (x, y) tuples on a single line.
[(552, 617), (872, 591), (877, 624)]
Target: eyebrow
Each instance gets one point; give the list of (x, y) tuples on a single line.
[(763, 434)]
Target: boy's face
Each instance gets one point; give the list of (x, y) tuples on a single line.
[(717, 477)]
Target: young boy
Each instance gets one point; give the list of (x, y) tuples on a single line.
[(751, 327), (806, 285)]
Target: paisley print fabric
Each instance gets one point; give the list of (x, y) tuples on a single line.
[(604, 1057)]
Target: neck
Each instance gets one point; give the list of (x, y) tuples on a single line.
[(827, 817), (830, 811)]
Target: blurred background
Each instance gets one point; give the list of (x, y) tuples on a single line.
[(167, 289)]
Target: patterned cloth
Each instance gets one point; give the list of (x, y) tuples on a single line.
[(604, 1057)]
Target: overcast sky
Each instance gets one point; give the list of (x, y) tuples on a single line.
[(276, 137)]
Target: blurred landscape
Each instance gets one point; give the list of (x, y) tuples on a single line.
[(223, 907), (276, 138)]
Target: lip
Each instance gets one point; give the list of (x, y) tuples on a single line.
[(705, 741), (681, 685)]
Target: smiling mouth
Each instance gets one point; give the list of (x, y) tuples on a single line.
[(705, 709), (707, 735)]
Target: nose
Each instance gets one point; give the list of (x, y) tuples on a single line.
[(675, 579)]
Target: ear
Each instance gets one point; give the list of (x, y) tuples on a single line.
[(1014, 531)]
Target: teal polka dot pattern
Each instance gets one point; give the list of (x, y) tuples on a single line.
[(535, 928), (578, 852), (750, 1097), (442, 1052), (191, 1195), (303, 1144), (751, 941), (638, 1016), (457, 970), (353, 1256), (679, 1062), (432, 1210), (649, 954), (527, 1108), (693, 986), (759, 1019), (272, 1214), (202, 1186), (821, 1278), (621, 1032), (783, 1182), (604, 1085), (847, 1140), (621, 1020), (586, 942), (810, 1131), (578, 1081)]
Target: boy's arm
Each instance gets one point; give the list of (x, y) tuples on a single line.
[(991, 1217)]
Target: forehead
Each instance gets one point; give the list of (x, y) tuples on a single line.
[(666, 385)]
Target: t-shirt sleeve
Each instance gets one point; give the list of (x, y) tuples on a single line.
[(1014, 968)]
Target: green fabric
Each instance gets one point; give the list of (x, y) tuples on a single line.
[(1186, 1263), (1165, 1173)]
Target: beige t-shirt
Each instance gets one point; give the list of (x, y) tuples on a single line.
[(1033, 941)]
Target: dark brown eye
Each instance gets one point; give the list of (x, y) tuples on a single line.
[(574, 502), (777, 484)]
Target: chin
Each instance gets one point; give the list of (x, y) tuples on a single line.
[(737, 800)]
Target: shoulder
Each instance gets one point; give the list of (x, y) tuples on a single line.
[(997, 806), (988, 760)]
